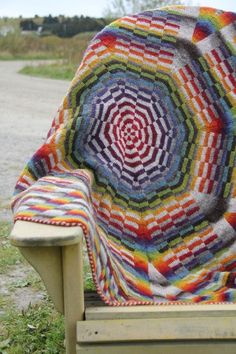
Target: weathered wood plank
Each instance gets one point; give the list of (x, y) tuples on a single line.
[(140, 312), (72, 265), (201, 347), (156, 329)]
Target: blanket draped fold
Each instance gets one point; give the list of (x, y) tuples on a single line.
[(141, 155)]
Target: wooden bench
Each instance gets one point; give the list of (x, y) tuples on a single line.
[(94, 328)]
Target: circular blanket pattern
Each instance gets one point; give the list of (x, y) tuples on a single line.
[(141, 154)]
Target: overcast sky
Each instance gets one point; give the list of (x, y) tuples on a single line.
[(28, 8)]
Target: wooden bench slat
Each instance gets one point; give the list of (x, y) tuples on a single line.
[(176, 347), (156, 329), (108, 313)]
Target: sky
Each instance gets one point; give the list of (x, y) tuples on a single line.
[(28, 8)]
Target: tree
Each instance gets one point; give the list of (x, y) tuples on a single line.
[(50, 20), (120, 8), (28, 25)]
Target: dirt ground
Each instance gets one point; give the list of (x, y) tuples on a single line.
[(17, 289), (27, 106)]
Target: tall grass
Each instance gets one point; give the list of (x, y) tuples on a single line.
[(31, 46), (17, 46), (68, 50)]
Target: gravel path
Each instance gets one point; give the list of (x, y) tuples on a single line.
[(27, 106)]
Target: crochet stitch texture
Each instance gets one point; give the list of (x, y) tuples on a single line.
[(141, 155)]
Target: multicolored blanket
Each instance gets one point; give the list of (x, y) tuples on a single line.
[(141, 154)]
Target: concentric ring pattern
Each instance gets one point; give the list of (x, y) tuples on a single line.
[(141, 154)]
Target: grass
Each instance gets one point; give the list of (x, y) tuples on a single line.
[(38, 329), (53, 71), (15, 46), (8, 255), (5, 56)]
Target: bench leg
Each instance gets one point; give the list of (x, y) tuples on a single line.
[(72, 257)]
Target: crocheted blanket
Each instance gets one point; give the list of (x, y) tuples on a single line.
[(141, 155)]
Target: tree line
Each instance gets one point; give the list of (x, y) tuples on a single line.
[(69, 26), (62, 26)]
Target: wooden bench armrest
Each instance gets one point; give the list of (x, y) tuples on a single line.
[(30, 234), (56, 253)]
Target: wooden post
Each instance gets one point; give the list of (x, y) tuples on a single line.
[(72, 257)]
